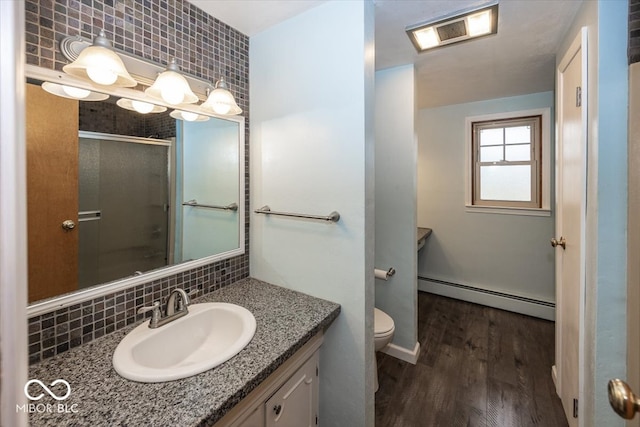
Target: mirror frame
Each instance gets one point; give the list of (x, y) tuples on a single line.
[(66, 300)]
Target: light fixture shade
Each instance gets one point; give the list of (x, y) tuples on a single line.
[(73, 92), (221, 101), (188, 116), (141, 107), (171, 87), (101, 64)]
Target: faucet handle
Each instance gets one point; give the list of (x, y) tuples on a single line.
[(155, 313)]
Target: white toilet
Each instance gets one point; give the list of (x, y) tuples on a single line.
[(383, 334)]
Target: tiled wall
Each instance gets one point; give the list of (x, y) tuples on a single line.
[(634, 31), (107, 117), (157, 30)]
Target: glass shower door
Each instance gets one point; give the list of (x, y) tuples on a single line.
[(123, 204)]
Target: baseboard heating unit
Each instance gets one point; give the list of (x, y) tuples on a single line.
[(515, 303)]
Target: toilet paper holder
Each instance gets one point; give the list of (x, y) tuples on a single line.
[(384, 274)]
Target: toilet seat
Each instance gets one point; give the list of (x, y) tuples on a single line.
[(383, 324)]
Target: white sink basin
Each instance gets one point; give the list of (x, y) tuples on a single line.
[(209, 335)]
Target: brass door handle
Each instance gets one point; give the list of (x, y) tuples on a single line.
[(562, 242), (622, 399), (68, 225)]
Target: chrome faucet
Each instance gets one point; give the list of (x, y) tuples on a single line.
[(175, 308), (177, 303)]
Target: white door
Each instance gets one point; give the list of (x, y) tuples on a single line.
[(570, 223), (625, 407)]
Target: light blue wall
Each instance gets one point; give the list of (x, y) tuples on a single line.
[(210, 175), (396, 163), (605, 300), (505, 253), (312, 89)]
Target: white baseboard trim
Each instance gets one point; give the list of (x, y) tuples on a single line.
[(528, 306), (402, 353), (554, 376)]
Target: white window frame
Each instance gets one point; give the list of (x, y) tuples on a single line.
[(545, 189)]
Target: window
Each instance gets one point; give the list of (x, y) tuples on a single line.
[(507, 162)]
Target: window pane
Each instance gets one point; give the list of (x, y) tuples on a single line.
[(518, 153), (518, 134), (491, 154), (491, 136), (505, 183)]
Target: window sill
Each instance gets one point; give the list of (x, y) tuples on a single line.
[(500, 210)]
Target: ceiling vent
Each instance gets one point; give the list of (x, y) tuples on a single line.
[(458, 27)]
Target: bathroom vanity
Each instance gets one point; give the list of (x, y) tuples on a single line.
[(260, 386), (422, 235)]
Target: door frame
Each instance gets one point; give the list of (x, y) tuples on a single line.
[(13, 216), (580, 44), (633, 236)]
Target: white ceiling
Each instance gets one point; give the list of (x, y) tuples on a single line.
[(520, 59)]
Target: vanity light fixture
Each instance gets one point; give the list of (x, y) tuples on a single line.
[(171, 87), (73, 92), (188, 116), (221, 101), (101, 64), (458, 27), (140, 106)]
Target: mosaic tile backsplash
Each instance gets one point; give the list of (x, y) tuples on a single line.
[(58, 331), (634, 31), (157, 30)]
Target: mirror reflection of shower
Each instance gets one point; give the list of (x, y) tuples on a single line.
[(123, 206)]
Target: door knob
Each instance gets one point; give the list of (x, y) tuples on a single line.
[(562, 242), (622, 399), (68, 225)]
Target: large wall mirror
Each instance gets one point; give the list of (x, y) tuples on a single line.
[(117, 198)]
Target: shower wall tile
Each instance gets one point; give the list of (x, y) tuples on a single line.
[(158, 31)]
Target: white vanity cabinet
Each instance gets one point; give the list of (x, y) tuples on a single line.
[(287, 398), (256, 419), (295, 404)]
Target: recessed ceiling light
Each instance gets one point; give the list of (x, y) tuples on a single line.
[(458, 27)]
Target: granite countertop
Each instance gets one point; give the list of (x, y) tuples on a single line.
[(423, 233), (285, 319)]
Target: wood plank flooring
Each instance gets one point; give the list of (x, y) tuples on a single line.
[(478, 367)]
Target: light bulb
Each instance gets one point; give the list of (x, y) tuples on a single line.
[(172, 87), (220, 101), (479, 23), (172, 95), (102, 76), (427, 38), (221, 108), (101, 65), (189, 116), (141, 107), (75, 92)]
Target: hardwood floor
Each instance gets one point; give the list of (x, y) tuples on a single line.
[(478, 367)]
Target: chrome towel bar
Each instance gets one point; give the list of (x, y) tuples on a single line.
[(194, 203), (89, 216), (332, 217)]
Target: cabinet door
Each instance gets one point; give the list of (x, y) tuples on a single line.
[(295, 404)]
